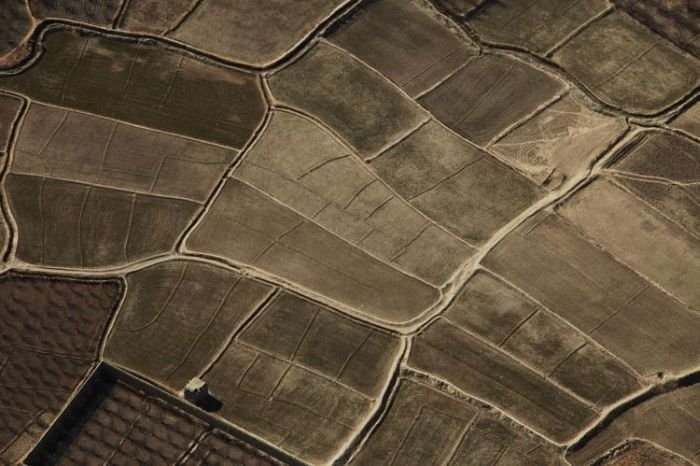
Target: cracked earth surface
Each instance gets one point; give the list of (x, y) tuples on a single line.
[(401, 232)]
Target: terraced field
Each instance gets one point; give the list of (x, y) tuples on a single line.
[(367, 232)]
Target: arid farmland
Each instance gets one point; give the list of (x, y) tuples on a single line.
[(364, 232)]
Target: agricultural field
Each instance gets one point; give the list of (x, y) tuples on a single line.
[(364, 232)]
